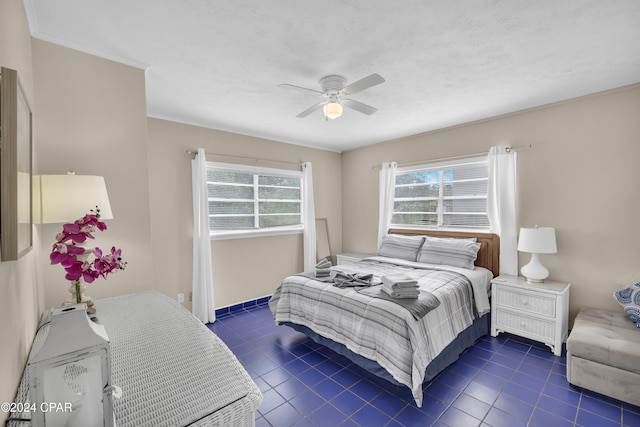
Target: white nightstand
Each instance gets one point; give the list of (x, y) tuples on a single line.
[(350, 258), (539, 311)]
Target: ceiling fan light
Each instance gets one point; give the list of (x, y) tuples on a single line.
[(332, 110)]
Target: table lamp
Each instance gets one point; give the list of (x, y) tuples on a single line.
[(536, 240)]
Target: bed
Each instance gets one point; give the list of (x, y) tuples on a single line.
[(392, 339)]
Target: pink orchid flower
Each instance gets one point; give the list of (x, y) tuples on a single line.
[(66, 251)]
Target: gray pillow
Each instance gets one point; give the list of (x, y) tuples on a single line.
[(453, 239), (399, 246), (455, 252)]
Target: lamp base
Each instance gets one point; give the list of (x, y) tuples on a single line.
[(534, 272)]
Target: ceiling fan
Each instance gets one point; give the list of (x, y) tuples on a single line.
[(334, 93)]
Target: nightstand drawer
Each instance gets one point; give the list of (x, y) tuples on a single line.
[(528, 326), (531, 302)]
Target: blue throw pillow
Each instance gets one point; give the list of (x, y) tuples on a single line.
[(629, 299)]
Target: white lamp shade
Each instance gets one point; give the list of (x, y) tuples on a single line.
[(332, 110), (65, 198), (538, 240)]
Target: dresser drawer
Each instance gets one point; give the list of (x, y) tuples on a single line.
[(530, 302), (526, 326)]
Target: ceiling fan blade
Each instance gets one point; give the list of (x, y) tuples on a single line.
[(311, 109), (362, 84), (300, 88), (359, 106)]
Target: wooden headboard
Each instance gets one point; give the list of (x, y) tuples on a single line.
[(488, 255)]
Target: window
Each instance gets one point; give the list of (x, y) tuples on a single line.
[(447, 195), (245, 201)]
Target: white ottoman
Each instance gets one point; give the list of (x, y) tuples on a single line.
[(603, 354)]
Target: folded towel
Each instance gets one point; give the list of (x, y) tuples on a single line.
[(400, 286), (324, 272), (401, 294), (324, 263), (399, 280), (322, 267)]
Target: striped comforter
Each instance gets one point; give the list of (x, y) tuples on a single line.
[(382, 330)]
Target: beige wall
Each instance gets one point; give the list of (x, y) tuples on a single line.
[(22, 300), (580, 176), (244, 269), (92, 119)]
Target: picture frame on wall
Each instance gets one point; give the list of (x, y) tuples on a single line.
[(16, 237)]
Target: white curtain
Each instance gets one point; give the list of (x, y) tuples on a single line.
[(387, 189), (202, 286), (309, 218), (501, 205)]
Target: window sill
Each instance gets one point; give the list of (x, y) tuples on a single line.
[(456, 229), (247, 234)]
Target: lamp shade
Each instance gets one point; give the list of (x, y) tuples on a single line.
[(332, 110), (64, 198), (538, 240)]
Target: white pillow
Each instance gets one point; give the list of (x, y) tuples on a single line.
[(399, 246), (454, 252)]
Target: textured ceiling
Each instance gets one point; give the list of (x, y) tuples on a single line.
[(218, 64)]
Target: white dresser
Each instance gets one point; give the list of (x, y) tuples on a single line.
[(539, 311)]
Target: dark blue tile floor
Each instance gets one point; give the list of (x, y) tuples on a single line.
[(503, 381)]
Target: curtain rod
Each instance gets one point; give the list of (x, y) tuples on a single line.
[(508, 149), (246, 158)]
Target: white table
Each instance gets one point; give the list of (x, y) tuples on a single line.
[(172, 369), (539, 311)]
